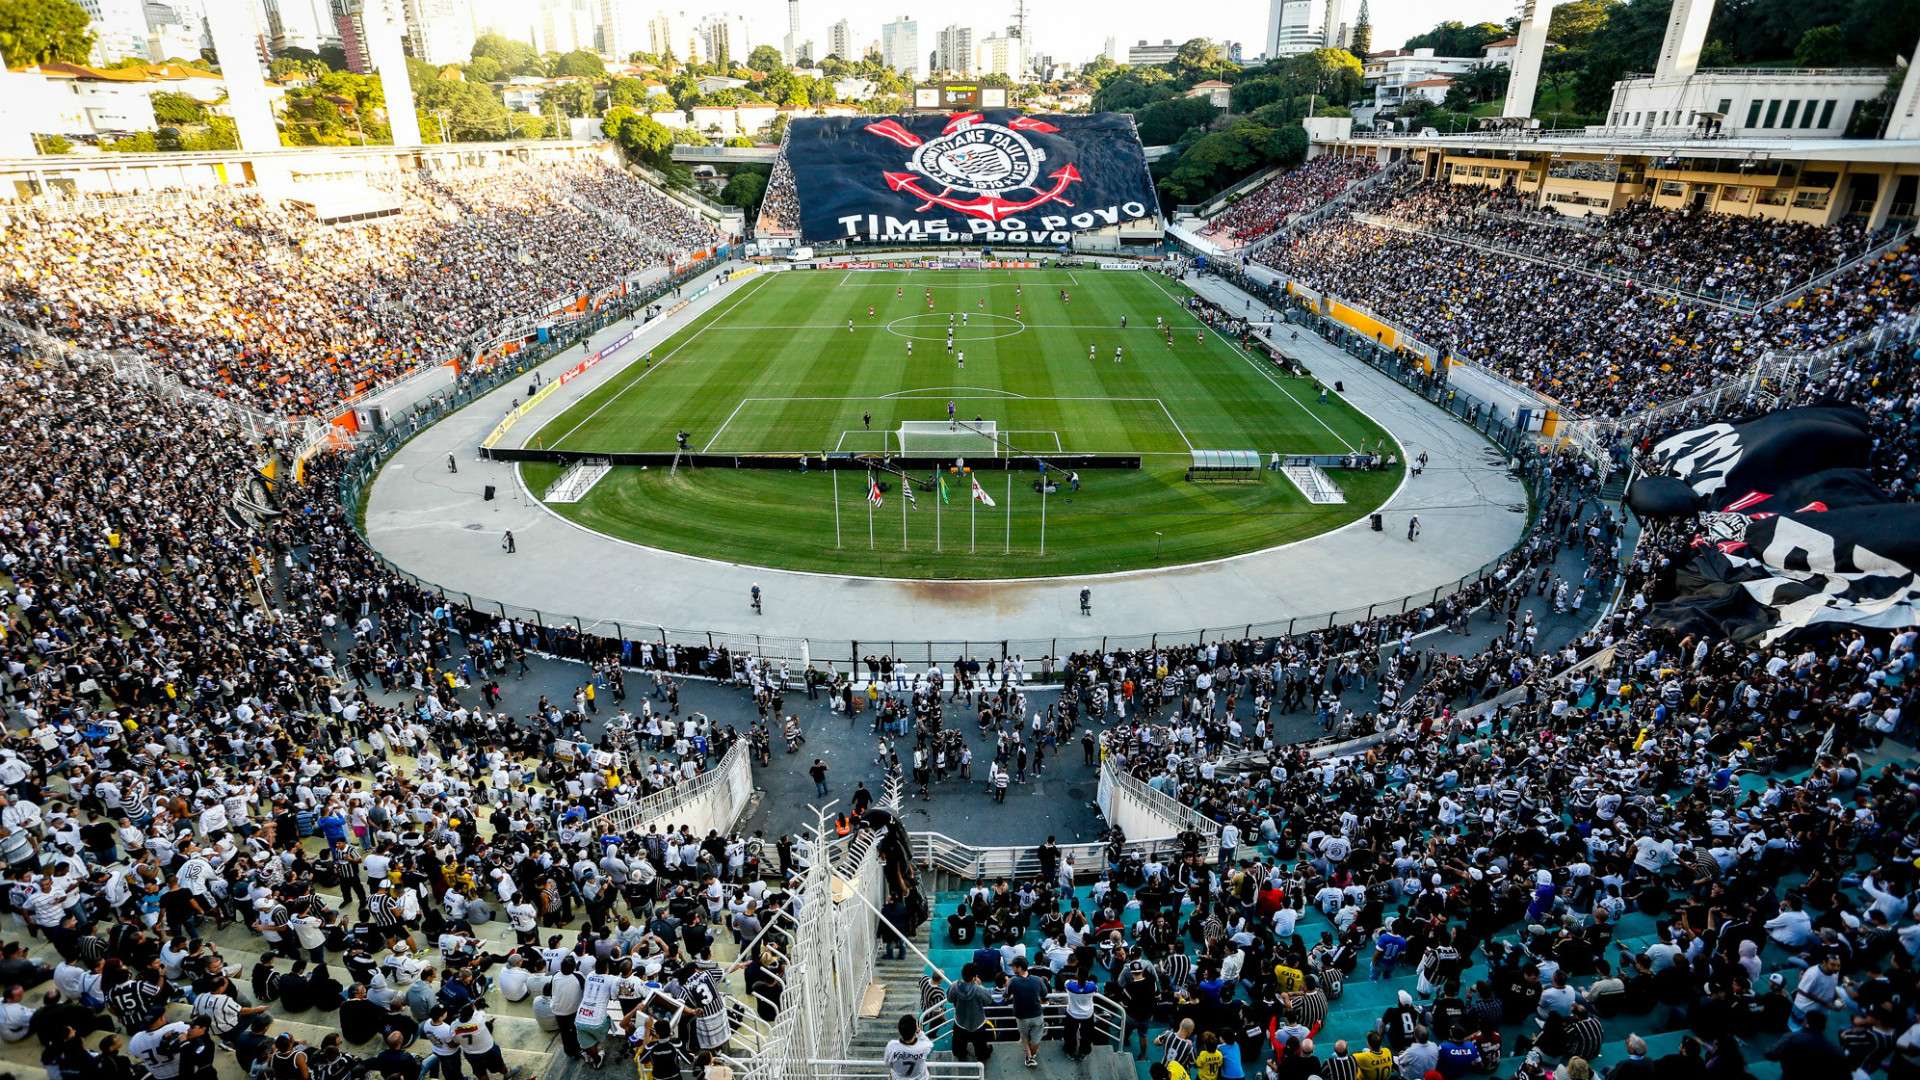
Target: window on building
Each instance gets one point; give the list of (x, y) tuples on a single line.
[(1753, 112), (1773, 113), (1811, 200), (1726, 106), (1672, 187), (1793, 110), (1773, 197), (1736, 194), (1826, 113)]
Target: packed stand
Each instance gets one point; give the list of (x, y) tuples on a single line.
[(1267, 207), (1597, 346), (1695, 862), (262, 804), (1734, 257), (262, 304), (780, 206)]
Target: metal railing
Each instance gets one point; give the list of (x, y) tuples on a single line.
[(1109, 1021), (731, 771)]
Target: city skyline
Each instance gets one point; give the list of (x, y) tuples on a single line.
[(1061, 31)]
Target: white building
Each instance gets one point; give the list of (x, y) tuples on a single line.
[(562, 26), (623, 28), (840, 41), (723, 37), (1803, 103), (790, 43), (1111, 48), (173, 32), (300, 24), (674, 33), (1217, 93), (1389, 75), (953, 50), (119, 30), (900, 47), (440, 31), (1001, 55), (1142, 54), (1295, 26)]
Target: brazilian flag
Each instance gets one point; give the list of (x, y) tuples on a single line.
[(943, 490)]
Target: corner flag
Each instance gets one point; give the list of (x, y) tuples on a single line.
[(873, 491), (943, 491), (980, 493)]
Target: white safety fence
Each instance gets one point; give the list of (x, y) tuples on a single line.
[(712, 800)]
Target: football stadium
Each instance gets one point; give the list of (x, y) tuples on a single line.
[(502, 510)]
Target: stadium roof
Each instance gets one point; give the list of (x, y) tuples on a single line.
[(1754, 149)]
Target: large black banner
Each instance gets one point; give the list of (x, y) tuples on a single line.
[(971, 178), (1793, 537)]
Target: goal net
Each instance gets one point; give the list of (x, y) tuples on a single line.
[(942, 438)]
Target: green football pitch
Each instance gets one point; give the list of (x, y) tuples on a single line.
[(773, 368)]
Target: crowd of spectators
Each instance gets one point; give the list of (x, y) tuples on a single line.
[(1269, 206), (1598, 346), (261, 803), (1693, 857), (780, 206), (262, 303), (1740, 258)]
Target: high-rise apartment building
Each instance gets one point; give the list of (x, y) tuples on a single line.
[(953, 50), (900, 47), (840, 41)]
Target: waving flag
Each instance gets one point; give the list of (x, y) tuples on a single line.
[(980, 493), (943, 491), (873, 491), (906, 488), (1792, 535)]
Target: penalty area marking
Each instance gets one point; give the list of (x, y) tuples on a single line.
[(1257, 367)]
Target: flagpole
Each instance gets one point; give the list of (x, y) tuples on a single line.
[(939, 496), (903, 511), (973, 516), (1043, 513), (869, 511), (1009, 547), (836, 508)]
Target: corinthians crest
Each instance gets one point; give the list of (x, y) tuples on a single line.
[(987, 161)]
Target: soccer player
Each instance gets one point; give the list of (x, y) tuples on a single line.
[(1090, 350), (909, 346), (951, 425), (869, 311), (849, 326), (965, 318), (1123, 322), (1117, 350), (899, 291), (963, 359)]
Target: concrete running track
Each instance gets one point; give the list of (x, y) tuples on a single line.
[(434, 524)]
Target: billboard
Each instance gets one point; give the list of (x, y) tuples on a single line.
[(969, 178)]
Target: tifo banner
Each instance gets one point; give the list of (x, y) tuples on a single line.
[(1793, 537), (993, 177)]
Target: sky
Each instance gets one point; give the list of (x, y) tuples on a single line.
[(1075, 30)]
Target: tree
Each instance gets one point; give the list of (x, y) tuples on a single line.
[(1163, 122), (471, 111), (1362, 42), (642, 137), (53, 144), (1574, 23), (1453, 38), (1199, 59), (177, 109), (1823, 46), (579, 63), (745, 189), (1479, 83), (485, 69), (221, 133), (44, 31), (766, 58), (1334, 74), (514, 57), (1628, 41), (1132, 89)]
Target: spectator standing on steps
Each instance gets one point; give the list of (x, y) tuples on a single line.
[(906, 1056), (970, 1000), (1028, 993)]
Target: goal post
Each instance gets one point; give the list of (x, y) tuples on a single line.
[(954, 438)]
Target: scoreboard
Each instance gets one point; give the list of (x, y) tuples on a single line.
[(958, 97)]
